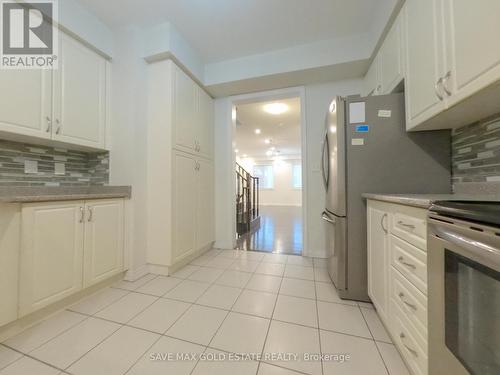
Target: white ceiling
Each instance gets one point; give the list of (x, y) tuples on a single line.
[(227, 29), (284, 129)]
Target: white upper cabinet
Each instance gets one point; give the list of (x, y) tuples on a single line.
[(26, 102), (80, 95), (473, 53), (185, 104), (425, 61), (103, 251), (391, 58), (372, 84), (205, 124), (65, 105)]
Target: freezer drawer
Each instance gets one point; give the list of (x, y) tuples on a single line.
[(336, 230)]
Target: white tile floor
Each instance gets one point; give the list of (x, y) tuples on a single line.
[(213, 311)]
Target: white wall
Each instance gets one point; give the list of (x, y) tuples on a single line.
[(283, 193), (128, 138), (318, 97)]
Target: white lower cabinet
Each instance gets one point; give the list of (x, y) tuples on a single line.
[(51, 253), (378, 257), (397, 282), (103, 250), (66, 246)]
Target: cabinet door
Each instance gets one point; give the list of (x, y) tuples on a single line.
[(51, 253), (378, 258), (391, 58), (205, 218), (472, 45), (26, 102), (184, 205), (425, 57), (185, 106), (80, 95), (9, 262), (205, 124), (103, 251), (372, 83)]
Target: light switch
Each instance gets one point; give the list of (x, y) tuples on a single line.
[(30, 166), (59, 168)]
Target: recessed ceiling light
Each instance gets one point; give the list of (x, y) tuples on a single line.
[(236, 150), (268, 141), (258, 131), (276, 108), (273, 148), (269, 153)]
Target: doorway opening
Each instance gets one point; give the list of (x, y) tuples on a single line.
[(267, 144)]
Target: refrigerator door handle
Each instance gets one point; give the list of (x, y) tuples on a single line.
[(325, 173), (327, 218)]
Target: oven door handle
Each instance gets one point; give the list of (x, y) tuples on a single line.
[(480, 249)]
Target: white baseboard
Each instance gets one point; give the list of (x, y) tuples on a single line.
[(136, 274)]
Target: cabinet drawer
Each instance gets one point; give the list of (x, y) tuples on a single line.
[(411, 229), (411, 301), (410, 261), (411, 347)]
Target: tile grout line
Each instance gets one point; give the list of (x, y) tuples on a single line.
[(319, 327), (374, 341), (270, 322)]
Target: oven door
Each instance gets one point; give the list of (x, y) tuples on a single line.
[(464, 298)]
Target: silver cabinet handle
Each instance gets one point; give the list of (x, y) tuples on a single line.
[(411, 350), (446, 78), (91, 214), (49, 124), (58, 130), (410, 305), (385, 216), (409, 265), (410, 226), (436, 88), (327, 218), (82, 214)]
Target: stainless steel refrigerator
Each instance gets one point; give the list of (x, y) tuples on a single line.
[(366, 149)]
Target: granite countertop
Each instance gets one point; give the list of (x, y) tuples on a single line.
[(426, 200), (17, 194)]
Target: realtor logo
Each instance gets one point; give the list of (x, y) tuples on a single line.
[(29, 35)]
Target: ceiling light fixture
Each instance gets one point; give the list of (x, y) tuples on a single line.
[(269, 153), (236, 151), (268, 141), (276, 108), (258, 131)]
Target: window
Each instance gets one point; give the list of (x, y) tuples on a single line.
[(265, 174), (297, 176)]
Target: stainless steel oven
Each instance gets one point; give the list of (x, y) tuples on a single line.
[(464, 288)]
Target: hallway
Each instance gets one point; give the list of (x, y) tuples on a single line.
[(280, 231)]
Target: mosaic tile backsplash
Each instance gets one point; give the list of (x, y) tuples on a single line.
[(80, 168), (476, 152)]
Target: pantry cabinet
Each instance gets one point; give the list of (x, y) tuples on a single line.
[(378, 257), (184, 204), (181, 185), (51, 253), (205, 204), (66, 105), (103, 250), (65, 247), (79, 95)]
